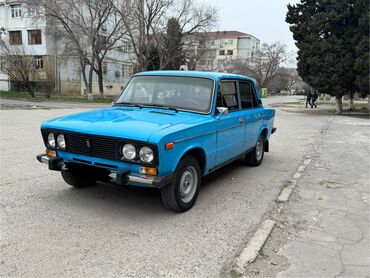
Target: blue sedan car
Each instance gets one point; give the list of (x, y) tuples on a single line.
[(166, 130)]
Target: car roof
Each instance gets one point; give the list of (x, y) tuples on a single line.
[(204, 74)]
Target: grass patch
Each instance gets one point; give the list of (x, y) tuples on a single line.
[(55, 97)]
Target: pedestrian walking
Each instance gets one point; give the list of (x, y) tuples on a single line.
[(314, 98), (308, 99)]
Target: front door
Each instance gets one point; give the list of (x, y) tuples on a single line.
[(251, 112), (230, 127)]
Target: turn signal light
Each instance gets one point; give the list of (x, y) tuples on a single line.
[(148, 171), (169, 145), (50, 153)]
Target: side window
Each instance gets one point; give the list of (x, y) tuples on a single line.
[(246, 95), (254, 95), (227, 95)]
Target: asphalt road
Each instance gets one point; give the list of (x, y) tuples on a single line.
[(50, 229)]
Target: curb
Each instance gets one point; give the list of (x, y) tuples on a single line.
[(254, 245), (287, 191)]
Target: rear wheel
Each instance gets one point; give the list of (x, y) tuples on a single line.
[(181, 194), (255, 157)]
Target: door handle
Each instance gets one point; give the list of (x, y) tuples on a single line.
[(260, 115), (241, 120)]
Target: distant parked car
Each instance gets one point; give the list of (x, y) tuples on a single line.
[(166, 130), (300, 93)]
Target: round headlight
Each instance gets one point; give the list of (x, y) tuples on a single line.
[(51, 140), (129, 151), (146, 154), (61, 141)]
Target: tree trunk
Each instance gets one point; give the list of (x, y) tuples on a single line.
[(101, 83), (84, 78), (339, 105), (351, 105), (89, 90)]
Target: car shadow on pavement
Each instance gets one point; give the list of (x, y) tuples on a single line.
[(126, 199)]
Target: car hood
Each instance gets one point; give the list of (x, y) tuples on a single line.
[(123, 122)]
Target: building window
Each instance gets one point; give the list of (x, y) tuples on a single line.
[(104, 67), (221, 52), (34, 37), (230, 42), (15, 37), (102, 41), (230, 52), (32, 11), (38, 62), (126, 46), (16, 11), (127, 70)]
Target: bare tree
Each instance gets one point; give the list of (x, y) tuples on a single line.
[(145, 22), (91, 29), (265, 65), (19, 66)]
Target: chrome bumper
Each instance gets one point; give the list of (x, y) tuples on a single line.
[(122, 178)]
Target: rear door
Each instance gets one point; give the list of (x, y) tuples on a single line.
[(252, 112), (230, 127)]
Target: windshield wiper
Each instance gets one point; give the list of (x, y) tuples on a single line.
[(129, 104), (160, 106)]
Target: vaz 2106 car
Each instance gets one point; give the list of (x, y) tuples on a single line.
[(166, 130)]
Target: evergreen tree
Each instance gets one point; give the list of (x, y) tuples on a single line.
[(173, 45), (153, 58), (361, 43), (324, 32)]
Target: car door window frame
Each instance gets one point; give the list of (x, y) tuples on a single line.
[(236, 82), (257, 101), (254, 100)]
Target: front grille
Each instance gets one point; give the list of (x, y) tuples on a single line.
[(99, 146), (92, 145)]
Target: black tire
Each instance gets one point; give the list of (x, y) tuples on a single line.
[(171, 193), (253, 158), (78, 180)]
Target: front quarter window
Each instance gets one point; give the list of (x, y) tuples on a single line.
[(179, 92)]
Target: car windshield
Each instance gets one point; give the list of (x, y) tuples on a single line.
[(169, 92)]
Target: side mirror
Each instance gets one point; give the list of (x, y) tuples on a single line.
[(223, 110), (114, 101)]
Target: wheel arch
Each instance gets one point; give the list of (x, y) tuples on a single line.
[(266, 144), (199, 154)]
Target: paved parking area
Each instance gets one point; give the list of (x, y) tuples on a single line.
[(50, 229)]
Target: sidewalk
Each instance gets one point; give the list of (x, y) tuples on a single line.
[(323, 230)]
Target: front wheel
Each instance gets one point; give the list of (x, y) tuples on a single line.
[(255, 157), (181, 194), (77, 179)]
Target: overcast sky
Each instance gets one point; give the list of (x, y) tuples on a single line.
[(264, 19)]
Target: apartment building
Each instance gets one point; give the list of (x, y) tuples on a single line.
[(225, 46), (22, 26)]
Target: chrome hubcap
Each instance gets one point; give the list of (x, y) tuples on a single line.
[(259, 149), (188, 184)]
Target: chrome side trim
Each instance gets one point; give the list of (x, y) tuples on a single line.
[(230, 127), (193, 137)]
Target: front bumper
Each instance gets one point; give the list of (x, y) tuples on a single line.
[(124, 177)]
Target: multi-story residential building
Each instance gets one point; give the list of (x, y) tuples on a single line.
[(225, 46), (22, 26)]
